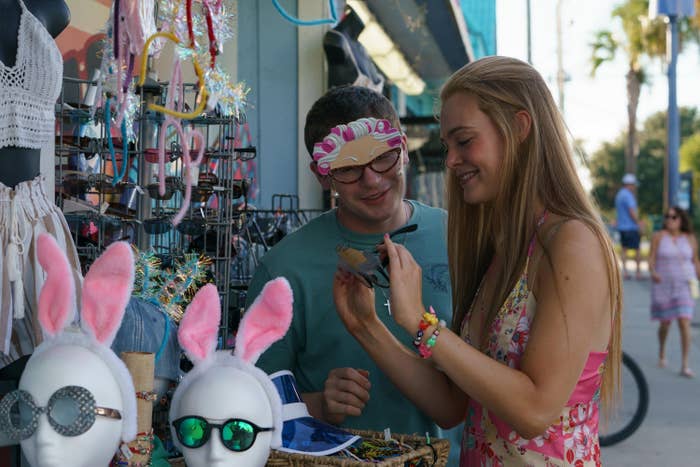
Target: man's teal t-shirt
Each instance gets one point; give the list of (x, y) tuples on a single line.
[(317, 340)]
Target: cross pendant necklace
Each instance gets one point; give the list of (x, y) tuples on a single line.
[(387, 303)]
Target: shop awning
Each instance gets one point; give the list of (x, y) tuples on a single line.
[(432, 35)]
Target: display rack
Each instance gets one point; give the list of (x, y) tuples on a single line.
[(99, 211), (218, 222)]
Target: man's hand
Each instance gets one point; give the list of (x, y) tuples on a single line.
[(345, 393), (354, 303)]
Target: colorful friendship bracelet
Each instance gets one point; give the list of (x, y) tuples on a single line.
[(425, 349), (429, 319)]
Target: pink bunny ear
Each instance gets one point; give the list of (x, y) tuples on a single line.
[(106, 292), (200, 325), (57, 297), (266, 321)]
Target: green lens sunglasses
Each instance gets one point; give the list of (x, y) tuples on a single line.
[(236, 434)]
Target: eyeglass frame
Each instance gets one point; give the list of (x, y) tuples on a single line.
[(219, 427), (672, 216), (85, 420), (362, 167)]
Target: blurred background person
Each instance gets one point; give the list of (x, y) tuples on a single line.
[(628, 223), (674, 266)]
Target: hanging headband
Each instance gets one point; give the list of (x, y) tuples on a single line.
[(204, 96), (367, 131)]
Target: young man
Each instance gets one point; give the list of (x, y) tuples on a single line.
[(339, 382), (628, 223)]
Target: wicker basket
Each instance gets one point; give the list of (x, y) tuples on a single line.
[(434, 455)]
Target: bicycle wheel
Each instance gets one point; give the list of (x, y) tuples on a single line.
[(632, 406)]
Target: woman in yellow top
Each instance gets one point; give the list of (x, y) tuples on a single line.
[(534, 346)]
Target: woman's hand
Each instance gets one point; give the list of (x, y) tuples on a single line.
[(354, 302), (406, 280)]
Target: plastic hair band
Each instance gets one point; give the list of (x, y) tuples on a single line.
[(332, 20), (213, 48), (118, 173), (115, 30), (204, 96), (190, 32)]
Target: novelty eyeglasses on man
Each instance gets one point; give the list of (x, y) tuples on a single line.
[(348, 149)]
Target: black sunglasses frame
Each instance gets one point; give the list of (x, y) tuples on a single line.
[(208, 427)]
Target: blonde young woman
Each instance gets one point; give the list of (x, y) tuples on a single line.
[(534, 347)]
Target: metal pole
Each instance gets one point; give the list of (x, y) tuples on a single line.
[(673, 117), (529, 33)]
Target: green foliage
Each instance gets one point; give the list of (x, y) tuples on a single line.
[(689, 155), (607, 167), (607, 164)]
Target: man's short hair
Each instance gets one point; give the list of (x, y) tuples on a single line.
[(342, 105)]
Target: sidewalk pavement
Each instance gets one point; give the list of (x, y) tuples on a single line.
[(670, 433)]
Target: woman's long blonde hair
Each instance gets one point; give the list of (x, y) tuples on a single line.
[(539, 168)]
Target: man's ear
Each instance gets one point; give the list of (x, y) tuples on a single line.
[(404, 149), (524, 122), (324, 180)]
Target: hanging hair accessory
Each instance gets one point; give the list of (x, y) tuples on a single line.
[(202, 91), (332, 20)]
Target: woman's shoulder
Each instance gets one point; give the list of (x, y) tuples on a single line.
[(559, 229), (570, 239)]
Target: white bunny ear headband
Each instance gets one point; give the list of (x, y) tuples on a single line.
[(265, 322), (105, 294)]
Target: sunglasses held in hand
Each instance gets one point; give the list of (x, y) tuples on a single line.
[(367, 266)]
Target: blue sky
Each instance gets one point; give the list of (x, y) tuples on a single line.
[(595, 108)]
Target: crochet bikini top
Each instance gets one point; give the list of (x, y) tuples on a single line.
[(29, 89)]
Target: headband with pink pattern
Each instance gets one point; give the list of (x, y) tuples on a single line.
[(371, 134)]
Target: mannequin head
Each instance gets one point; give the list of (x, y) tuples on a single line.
[(221, 394), (49, 372), (79, 393), (223, 387)]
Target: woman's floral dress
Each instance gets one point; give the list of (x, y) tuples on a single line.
[(571, 440)]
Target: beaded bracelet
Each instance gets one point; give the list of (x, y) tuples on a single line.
[(429, 319), (425, 349)]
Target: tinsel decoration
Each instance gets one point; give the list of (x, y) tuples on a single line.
[(171, 288), (227, 96)]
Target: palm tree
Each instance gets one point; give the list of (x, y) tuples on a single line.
[(642, 38)]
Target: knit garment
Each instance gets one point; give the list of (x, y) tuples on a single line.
[(29, 89)]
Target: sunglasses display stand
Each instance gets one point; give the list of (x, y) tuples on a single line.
[(84, 177), (108, 188), (218, 222)]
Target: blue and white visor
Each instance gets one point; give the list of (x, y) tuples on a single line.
[(301, 433)]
